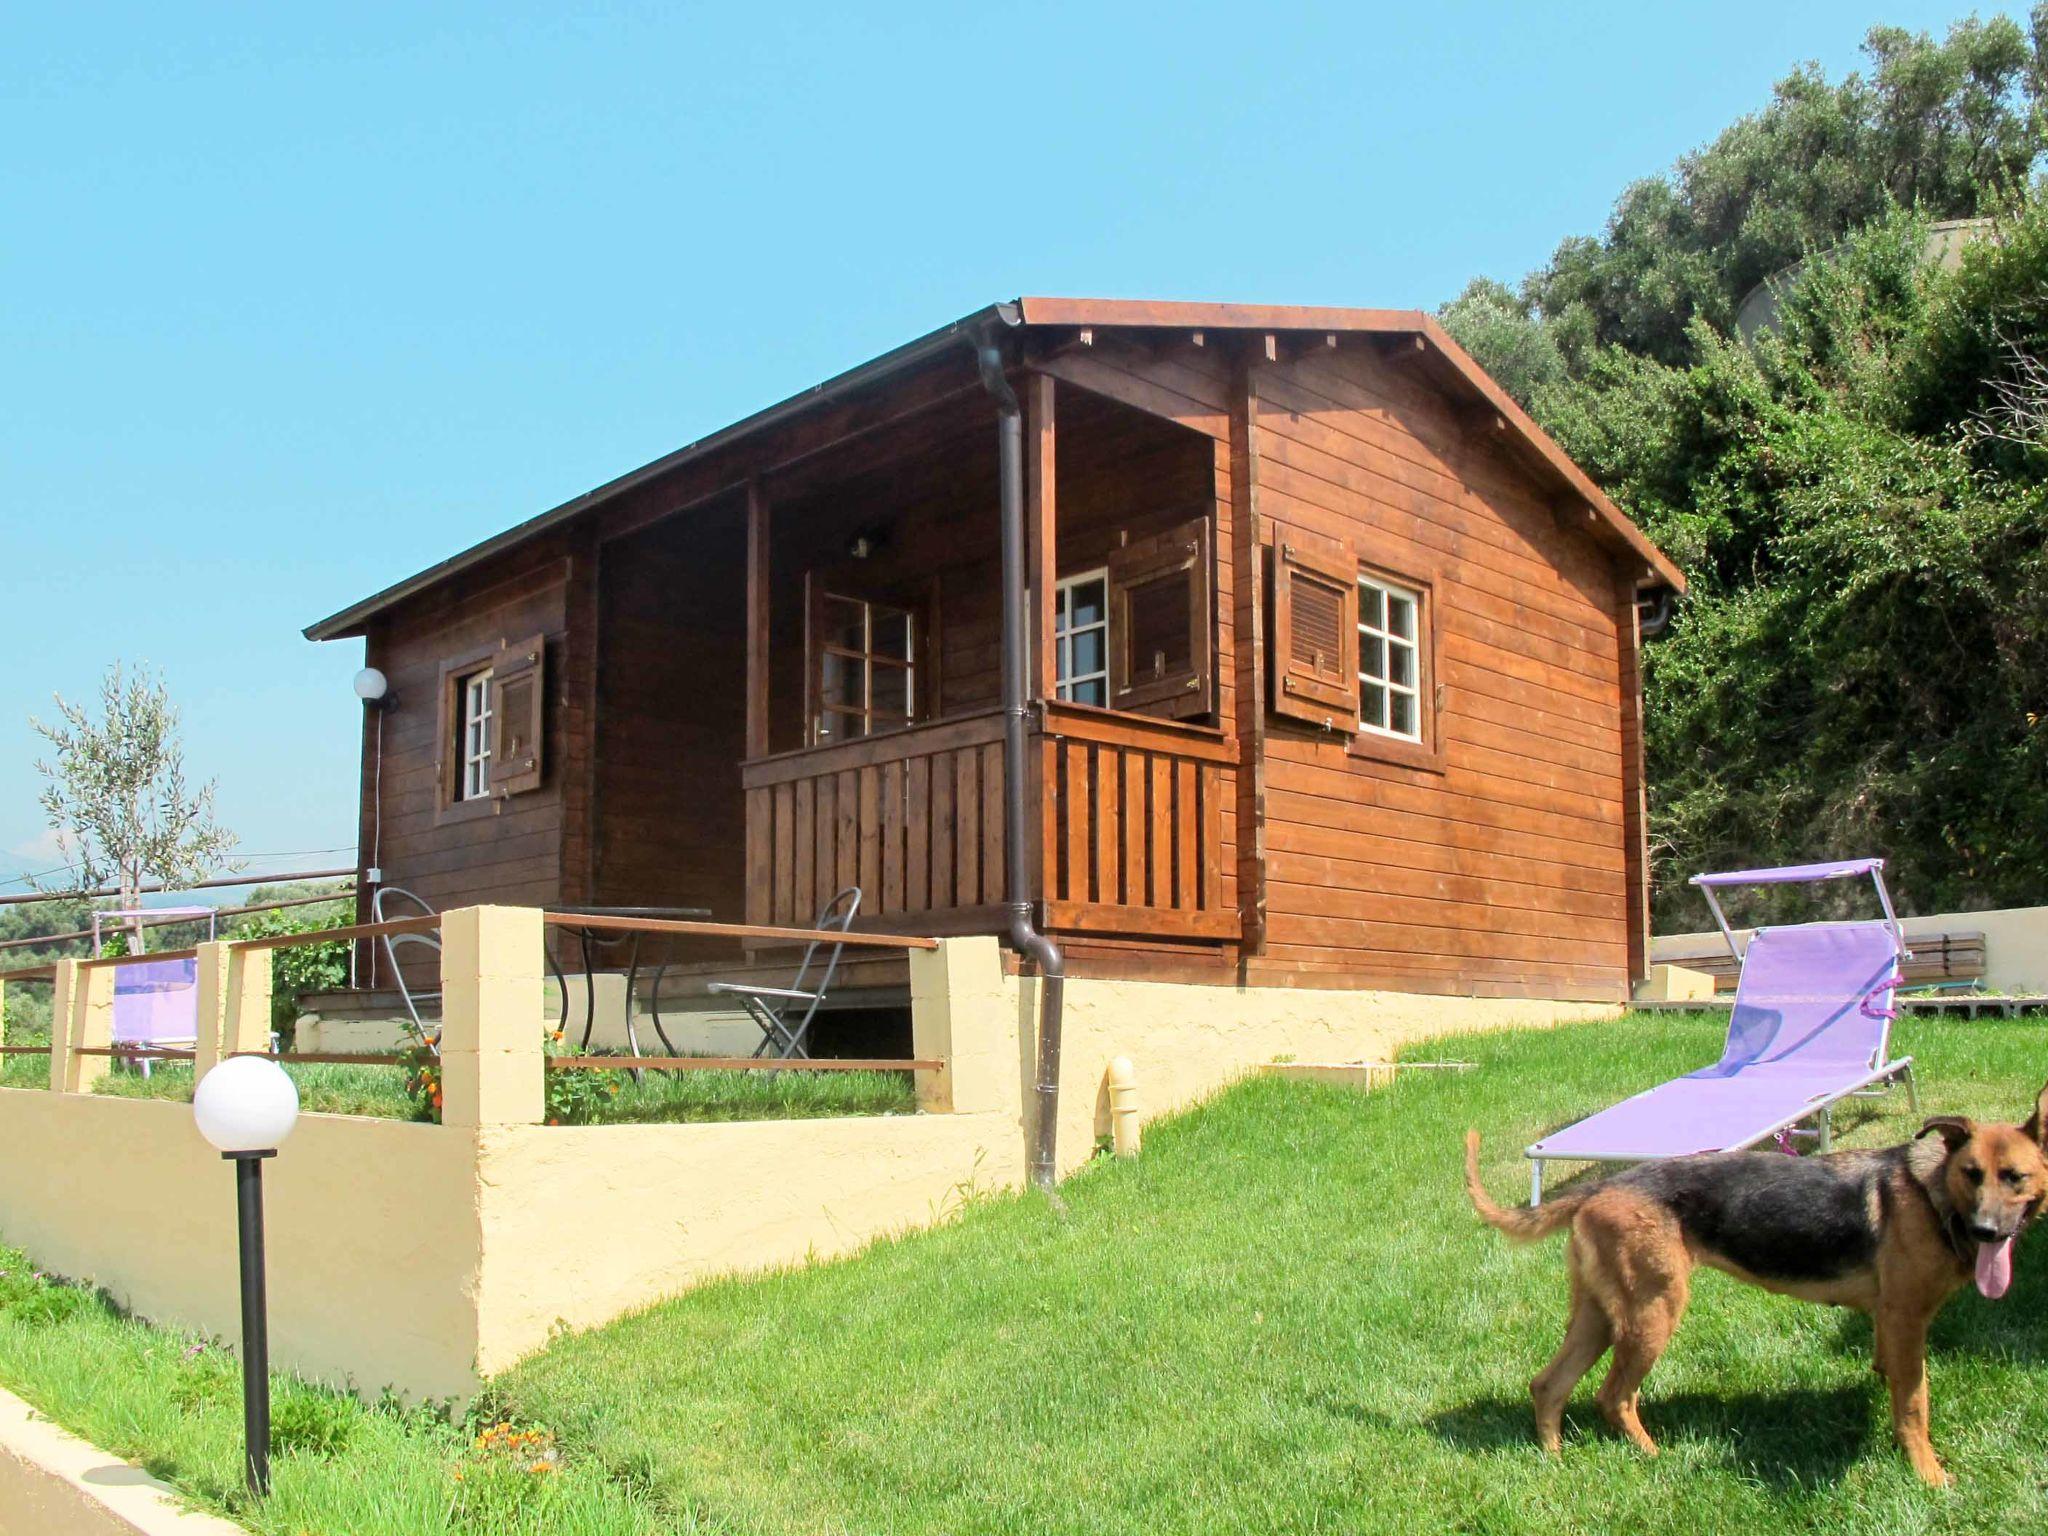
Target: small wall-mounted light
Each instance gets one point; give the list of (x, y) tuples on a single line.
[(867, 543), (374, 689)]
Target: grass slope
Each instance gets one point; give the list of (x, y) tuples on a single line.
[(1283, 1318)]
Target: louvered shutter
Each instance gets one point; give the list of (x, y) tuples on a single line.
[(1315, 631), (518, 710), (1161, 653)]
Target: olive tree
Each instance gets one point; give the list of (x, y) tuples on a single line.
[(115, 793)]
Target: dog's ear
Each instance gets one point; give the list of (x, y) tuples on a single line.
[(1954, 1130), (2036, 1126)]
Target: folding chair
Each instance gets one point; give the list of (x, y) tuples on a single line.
[(1811, 1026), (784, 1014)]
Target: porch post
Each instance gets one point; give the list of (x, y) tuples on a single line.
[(757, 618), (1041, 511)]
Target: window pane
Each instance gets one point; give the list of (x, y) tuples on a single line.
[(1372, 656), (842, 682), (1087, 654), (892, 634), (1085, 601), (1401, 711), (1401, 661), (1094, 691), (1401, 616), (1372, 704), (892, 691), (845, 624), (839, 726), (1371, 606)]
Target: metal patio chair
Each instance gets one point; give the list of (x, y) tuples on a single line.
[(784, 1014), (390, 896)]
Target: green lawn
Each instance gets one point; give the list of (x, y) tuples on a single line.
[(1283, 1317), (335, 1088)]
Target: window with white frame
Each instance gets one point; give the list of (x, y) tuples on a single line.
[(1080, 626), (473, 738), (1389, 660)]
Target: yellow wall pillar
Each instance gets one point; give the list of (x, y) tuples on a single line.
[(963, 1013), (245, 1019), (492, 1058), (63, 982), (210, 1006), (89, 1025)]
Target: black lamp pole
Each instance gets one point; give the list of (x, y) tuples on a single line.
[(255, 1327)]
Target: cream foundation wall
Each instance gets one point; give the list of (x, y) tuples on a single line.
[(428, 1257)]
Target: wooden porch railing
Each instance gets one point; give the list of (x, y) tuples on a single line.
[(914, 818), (1129, 818), (1133, 825)]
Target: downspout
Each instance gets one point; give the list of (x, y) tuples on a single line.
[(1022, 934)]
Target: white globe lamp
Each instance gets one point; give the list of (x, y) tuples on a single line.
[(246, 1104), (371, 685)]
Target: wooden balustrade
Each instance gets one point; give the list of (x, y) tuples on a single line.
[(1133, 816), (1129, 842), (914, 818)]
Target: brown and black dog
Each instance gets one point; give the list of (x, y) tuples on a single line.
[(1893, 1233)]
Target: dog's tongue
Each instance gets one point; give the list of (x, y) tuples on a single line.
[(1994, 1267)]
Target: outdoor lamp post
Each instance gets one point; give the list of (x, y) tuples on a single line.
[(245, 1107)]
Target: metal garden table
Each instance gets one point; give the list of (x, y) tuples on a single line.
[(591, 941)]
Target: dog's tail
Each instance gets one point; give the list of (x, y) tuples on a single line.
[(1525, 1223)]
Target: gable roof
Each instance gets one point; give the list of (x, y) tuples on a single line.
[(1455, 368)]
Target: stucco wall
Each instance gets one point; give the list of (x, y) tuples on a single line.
[(372, 1227), (1187, 1042), (584, 1223), (422, 1256), (2015, 944)]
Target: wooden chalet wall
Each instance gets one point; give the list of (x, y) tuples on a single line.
[(671, 711), (496, 851), (1508, 871), (1515, 870)]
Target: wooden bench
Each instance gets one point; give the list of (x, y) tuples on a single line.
[(1936, 957)]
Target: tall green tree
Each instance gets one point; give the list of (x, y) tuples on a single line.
[(1860, 497)]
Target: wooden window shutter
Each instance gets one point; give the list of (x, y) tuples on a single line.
[(518, 708), (1315, 631), (1161, 656)]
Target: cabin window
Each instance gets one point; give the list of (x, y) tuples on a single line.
[(474, 736), (1080, 624), (863, 667), (1389, 659)]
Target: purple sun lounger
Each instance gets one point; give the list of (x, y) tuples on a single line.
[(1811, 1026)]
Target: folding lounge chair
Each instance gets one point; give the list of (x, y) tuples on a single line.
[(784, 1014), (156, 1004), (1811, 1026)]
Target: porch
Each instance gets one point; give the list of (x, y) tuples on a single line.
[(798, 689)]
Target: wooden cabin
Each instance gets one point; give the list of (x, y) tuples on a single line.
[(1333, 676)]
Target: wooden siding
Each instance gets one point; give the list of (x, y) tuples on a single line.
[(496, 851), (671, 714), (1509, 871)]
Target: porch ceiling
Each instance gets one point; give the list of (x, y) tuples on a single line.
[(1454, 368)]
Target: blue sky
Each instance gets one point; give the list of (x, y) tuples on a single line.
[(300, 299)]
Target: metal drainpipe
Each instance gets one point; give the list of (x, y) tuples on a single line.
[(1023, 934)]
